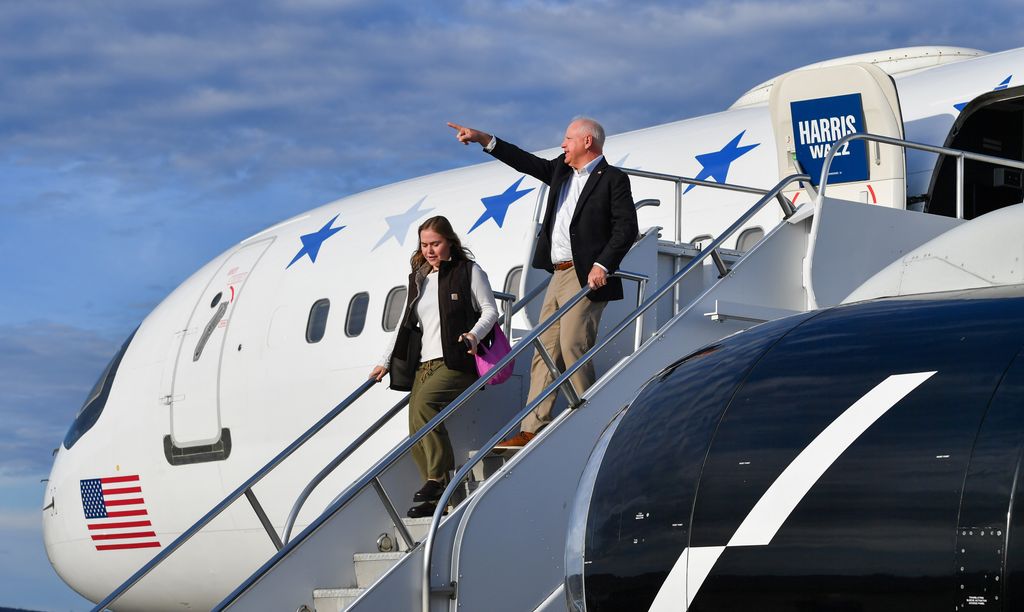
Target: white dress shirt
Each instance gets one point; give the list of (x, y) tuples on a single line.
[(561, 243)]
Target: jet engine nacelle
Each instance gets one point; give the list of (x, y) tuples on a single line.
[(857, 458)]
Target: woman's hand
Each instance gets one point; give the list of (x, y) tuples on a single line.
[(378, 373), (470, 341)]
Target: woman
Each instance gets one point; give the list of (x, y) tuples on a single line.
[(449, 307)]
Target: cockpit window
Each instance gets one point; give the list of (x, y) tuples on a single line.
[(90, 411)]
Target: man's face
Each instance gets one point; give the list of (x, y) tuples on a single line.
[(576, 145)]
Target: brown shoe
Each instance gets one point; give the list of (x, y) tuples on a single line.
[(516, 442)]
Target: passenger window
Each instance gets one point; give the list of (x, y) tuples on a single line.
[(393, 307), (317, 323), (356, 318), (702, 241), (748, 238), (513, 280)]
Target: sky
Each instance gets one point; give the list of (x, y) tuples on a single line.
[(138, 140)]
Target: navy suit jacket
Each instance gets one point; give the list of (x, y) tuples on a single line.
[(603, 227)]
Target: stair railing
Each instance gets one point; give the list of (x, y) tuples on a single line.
[(679, 181), (711, 251), (959, 154), (384, 419)]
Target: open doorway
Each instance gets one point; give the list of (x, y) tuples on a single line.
[(992, 124)]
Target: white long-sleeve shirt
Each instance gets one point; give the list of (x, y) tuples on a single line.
[(430, 318)]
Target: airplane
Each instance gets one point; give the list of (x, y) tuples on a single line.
[(259, 343)]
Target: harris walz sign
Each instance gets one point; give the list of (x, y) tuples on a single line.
[(818, 124)]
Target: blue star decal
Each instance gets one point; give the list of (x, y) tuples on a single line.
[(497, 205), (716, 165), (311, 243), (398, 225), (1003, 85)]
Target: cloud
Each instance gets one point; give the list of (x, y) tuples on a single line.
[(46, 370), (218, 97)]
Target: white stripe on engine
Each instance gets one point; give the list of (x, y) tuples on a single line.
[(778, 502)]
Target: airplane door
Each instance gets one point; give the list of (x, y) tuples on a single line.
[(812, 109), (195, 396)]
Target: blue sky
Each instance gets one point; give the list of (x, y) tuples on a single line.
[(140, 139)]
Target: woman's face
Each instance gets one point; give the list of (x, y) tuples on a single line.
[(434, 247)]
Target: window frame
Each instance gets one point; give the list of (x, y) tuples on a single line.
[(348, 314), (309, 320), (388, 304)]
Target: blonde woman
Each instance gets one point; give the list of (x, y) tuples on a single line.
[(449, 308)]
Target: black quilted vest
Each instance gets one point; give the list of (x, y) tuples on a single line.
[(458, 315)]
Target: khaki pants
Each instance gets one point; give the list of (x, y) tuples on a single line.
[(434, 388), (566, 340)]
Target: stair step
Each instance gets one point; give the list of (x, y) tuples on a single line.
[(334, 600), (370, 566), (489, 464), (417, 529)]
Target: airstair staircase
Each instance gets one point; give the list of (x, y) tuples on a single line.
[(500, 545)]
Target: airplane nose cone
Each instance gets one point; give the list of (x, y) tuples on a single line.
[(56, 513)]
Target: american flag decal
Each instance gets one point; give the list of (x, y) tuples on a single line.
[(115, 513)]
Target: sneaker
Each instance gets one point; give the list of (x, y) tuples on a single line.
[(430, 492), (423, 510), (516, 442)]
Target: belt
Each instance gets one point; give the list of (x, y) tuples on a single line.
[(563, 265)]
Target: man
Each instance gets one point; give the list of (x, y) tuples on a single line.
[(589, 226)]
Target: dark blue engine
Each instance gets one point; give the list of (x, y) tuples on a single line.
[(916, 512)]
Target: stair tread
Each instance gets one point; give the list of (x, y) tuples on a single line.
[(346, 592), (378, 556), (412, 522)]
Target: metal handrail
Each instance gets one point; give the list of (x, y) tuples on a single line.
[(300, 501), (374, 472), (682, 180), (326, 471), (907, 144), (243, 489), (380, 422), (435, 522)]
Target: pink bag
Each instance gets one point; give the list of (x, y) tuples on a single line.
[(490, 351)]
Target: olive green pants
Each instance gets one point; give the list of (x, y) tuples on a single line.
[(434, 388)]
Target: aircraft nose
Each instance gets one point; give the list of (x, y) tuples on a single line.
[(55, 512)]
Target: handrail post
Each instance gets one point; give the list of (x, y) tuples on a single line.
[(786, 204), (264, 520), (638, 339), (960, 186), (719, 262), (569, 390), (679, 212), (389, 506), (508, 321)]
